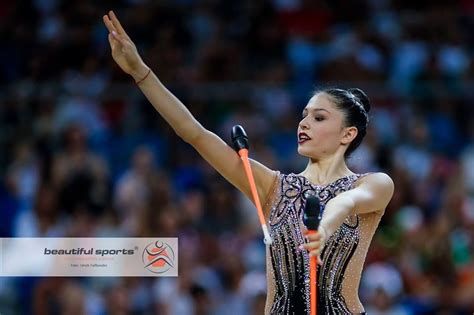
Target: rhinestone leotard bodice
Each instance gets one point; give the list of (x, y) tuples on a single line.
[(342, 256)]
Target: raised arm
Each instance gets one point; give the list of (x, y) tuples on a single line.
[(213, 149)]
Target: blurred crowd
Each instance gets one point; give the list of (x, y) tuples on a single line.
[(85, 155)]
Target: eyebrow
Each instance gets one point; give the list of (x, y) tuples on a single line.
[(315, 110)]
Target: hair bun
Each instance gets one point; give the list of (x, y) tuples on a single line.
[(362, 97)]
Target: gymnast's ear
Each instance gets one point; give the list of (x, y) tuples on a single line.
[(349, 134)]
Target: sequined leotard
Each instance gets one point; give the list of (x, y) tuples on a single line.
[(343, 255)]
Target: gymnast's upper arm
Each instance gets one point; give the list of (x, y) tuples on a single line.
[(227, 162), (372, 193)]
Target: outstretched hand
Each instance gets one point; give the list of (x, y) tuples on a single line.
[(124, 50)]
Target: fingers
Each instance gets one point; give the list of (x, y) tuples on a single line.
[(313, 237), (119, 38), (108, 23), (115, 38), (314, 248), (112, 41), (315, 252), (116, 23), (113, 34), (314, 244)]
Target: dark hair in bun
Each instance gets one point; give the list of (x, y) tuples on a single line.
[(356, 106), (362, 97)]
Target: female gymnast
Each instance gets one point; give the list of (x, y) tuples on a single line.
[(333, 125)]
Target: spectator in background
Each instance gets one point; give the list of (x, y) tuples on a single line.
[(23, 175), (134, 189), (79, 174), (44, 219)]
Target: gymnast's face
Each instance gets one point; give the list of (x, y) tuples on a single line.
[(321, 130)]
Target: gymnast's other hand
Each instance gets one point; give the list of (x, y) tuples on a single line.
[(124, 50), (315, 242)]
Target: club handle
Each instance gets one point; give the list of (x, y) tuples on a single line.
[(311, 214)]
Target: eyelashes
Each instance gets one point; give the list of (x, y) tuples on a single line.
[(317, 118)]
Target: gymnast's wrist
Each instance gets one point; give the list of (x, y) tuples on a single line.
[(141, 73), (322, 230)]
